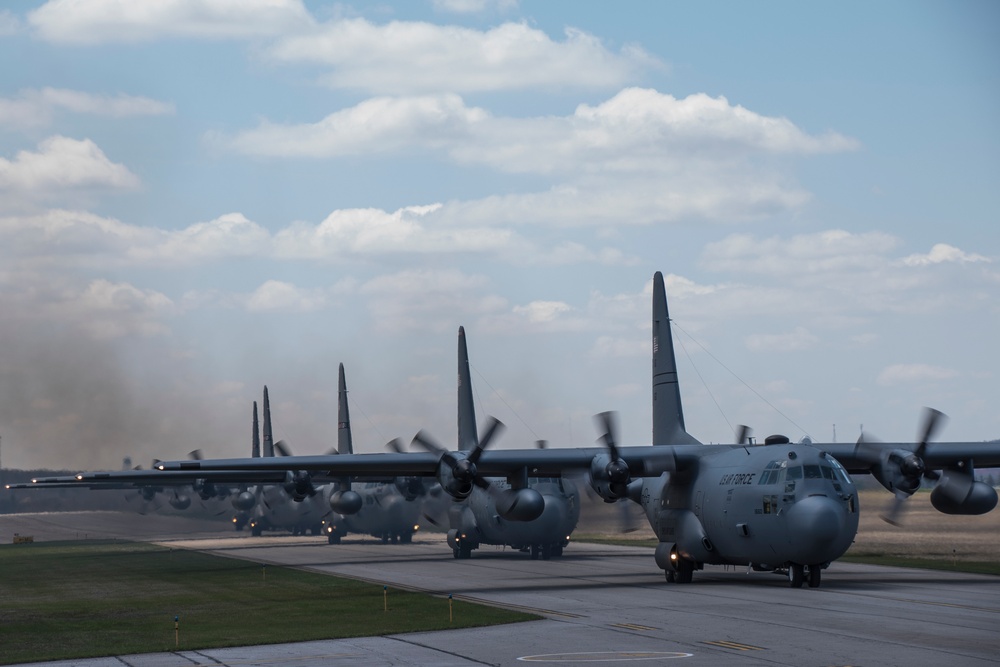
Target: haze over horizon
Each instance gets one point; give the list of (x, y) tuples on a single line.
[(201, 197)]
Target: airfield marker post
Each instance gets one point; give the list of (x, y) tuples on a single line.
[(385, 598), (177, 631), (451, 616), (263, 572)]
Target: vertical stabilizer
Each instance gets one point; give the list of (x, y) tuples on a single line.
[(268, 438), (668, 414), (255, 450), (344, 443), (467, 434)]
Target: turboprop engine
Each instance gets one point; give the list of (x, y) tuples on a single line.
[(345, 502), (244, 501)]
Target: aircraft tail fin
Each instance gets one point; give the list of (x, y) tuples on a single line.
[(268, 437), (344, 443), (668, 413), (255, 449), (467, 433)]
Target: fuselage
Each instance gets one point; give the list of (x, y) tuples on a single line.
[(477, 521), (765, 506)]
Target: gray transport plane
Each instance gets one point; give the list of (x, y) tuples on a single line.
[(785, 507), (387, 510), (536, 514)]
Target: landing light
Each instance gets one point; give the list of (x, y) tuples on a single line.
[(416, 527), (78, 477), (673, 556)]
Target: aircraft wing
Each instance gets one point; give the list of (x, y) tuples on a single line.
[(131, 478), (642, 461), (858, 459)]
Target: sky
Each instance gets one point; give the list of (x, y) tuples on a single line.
[(198, 198)]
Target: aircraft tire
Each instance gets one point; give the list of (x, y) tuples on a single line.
[(685, 571), (795, 575), (333, 539), (465, 551), (670, 576), (255, 531), (557, 550), (534, 552), (456, 552), (546, 552), (406, 538), (815, 576)]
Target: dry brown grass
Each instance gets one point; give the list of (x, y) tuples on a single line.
[(925, 533)]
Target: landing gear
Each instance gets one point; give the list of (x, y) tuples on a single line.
[(681, 573), (815, 574), (333, 539), (796, 574), (462, 551), (255, 530)]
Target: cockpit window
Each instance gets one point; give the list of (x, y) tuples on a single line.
[(773, 473), (795, 472), (827, 472), (838, 470), (812, 471)]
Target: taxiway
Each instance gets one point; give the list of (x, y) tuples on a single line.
[(612, 605)]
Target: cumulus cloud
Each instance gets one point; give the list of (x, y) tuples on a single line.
[(61, 162), (103, 21), (636, 130), (942, 252), (407, 57), (35, 107), (427, 299), (906, 374), (820, 252), (275, 296)]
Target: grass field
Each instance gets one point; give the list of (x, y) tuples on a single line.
[(84, 599)]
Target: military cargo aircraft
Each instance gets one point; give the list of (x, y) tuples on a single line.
[(390, 511), (784, 507), (536, 514)]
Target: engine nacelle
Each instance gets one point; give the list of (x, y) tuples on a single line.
[(521, 505), (609, 478), (299, 486), (410, 488), (206, 490), (345, 502), (180, 502), (959, 494), (458, 489), (147, 493), (901, 471), (244, 501)]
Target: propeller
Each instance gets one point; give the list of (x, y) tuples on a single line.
[(458, 475), (901, 470), (913, 468), (609, 473)]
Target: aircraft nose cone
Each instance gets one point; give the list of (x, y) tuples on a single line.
[(816, 520)]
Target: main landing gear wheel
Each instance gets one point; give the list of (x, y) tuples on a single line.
[(815, 574), (796, 574), (535, 550), (333, 539)]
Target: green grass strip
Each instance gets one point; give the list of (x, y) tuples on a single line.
[(65, 600)]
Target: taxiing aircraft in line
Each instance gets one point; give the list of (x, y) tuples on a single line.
[(783, 507), (531, 513)]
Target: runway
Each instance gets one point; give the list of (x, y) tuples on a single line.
[(612, 605)]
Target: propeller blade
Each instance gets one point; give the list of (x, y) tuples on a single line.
[(395, 445), (422, 439), (542, 444), (195, 455), (743, 434), (932, 422), (492, 430), (608, 421), (282, 448), (895, 514)]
